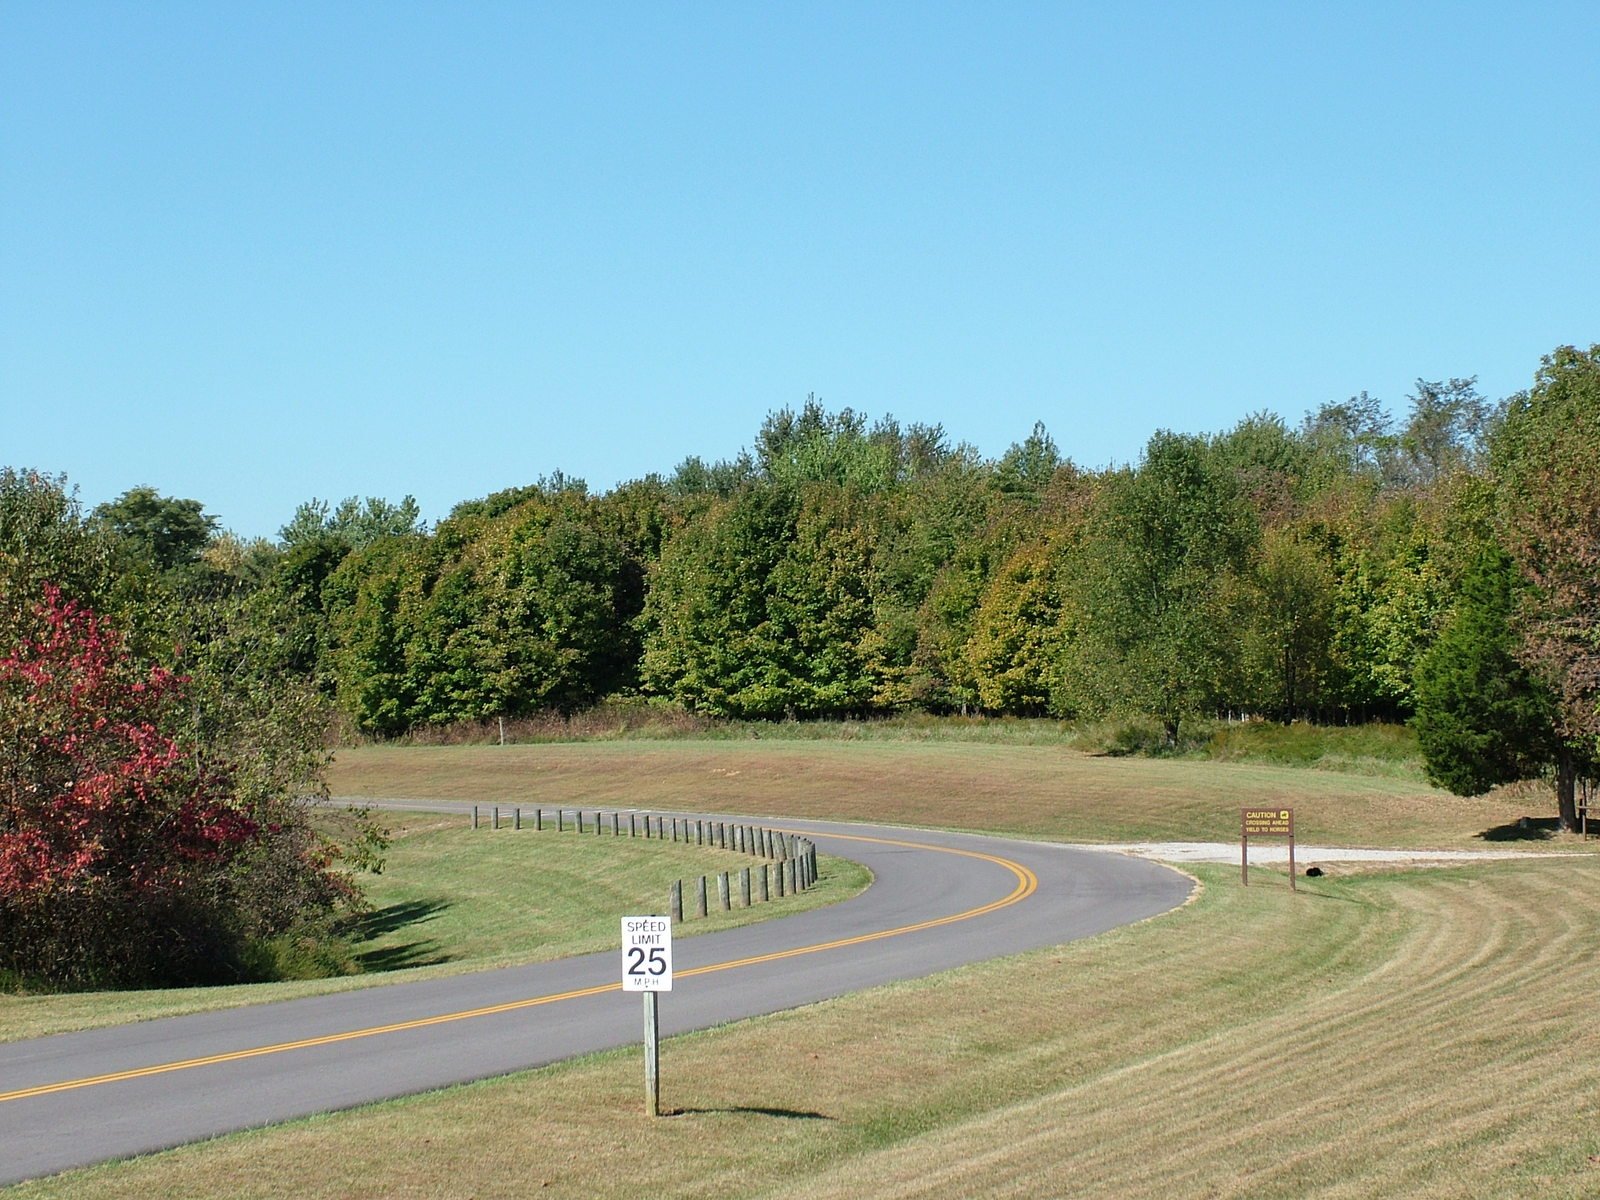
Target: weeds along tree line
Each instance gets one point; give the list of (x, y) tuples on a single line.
[(1439, 568)]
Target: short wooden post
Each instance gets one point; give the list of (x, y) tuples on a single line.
[(538, 820), (578, 812), (616, 825), (700, 898), (474, 816), (633, 825), (597, 830), (677, 900), (699, 833), (789, 869), (561, 820), (496, 818), (722, 834), (744, 887), (647, 825), (722, 891), (516, 818), (778, 874), (766, 891)]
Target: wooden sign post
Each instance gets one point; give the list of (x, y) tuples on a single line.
[(1264, 822)]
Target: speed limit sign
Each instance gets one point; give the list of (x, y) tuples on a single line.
[(646, 954)]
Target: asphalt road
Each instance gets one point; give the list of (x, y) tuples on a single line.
[(938, 901)]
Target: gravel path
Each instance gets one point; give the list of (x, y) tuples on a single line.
[(1278, 852)]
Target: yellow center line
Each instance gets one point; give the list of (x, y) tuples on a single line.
[(1027, 884)]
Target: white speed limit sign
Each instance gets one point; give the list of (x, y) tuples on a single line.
[(646, 954)]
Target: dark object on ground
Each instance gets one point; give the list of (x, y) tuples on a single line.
[(1313, 872)]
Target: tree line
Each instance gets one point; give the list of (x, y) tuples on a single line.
[(1439, 568)]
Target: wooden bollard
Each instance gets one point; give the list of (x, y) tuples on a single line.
[(699, 833), (790, 869), (474, 816), (496, 818), (722, 891), (647, 825), (744, 887), (633, 825), (700, 898), (661, 825), (597, 830), (561, 820), (676, 906), (778, 874), (616, 824), (516, 818), (722, 834), (766, 891), (674, 830), (578, 812)]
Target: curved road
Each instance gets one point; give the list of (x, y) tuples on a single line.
[(939, 900)]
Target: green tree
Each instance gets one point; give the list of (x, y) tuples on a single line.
[(168, 532), (1482, 718), (1544, 461), (1160, 588), (354, 522), (1291, 626)]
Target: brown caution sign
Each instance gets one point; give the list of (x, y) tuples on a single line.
[(1264, 822)]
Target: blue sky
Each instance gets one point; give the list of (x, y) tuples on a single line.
[(251, 254)]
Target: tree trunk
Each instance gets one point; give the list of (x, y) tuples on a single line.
[(1566, 781)]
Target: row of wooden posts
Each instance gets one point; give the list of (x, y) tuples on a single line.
[(790, 864)]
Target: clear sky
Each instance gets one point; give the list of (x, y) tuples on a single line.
[(255, 253)]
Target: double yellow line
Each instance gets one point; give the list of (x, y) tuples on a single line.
[(1027, 884)]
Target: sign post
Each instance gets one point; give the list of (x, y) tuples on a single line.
[(1264, 822), (647, 968)]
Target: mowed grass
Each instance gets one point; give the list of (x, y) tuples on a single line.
[(1040, 791), (452, 899), (1425, 1034)]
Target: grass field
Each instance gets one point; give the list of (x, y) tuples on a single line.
[(451, 899), (1041, 791), (1406, 1034), (1382, 1033)]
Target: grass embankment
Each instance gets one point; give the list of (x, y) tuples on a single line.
[(452, 899), (1046, 791), (1371, 749), (1422, 1034)]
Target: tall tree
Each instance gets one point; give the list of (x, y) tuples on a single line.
[(167, 531), (1483, 718), (1161, 588), (1544, 459)]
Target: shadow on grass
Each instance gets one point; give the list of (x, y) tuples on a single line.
[(789, 1114), (1524, 829), (390, 919)]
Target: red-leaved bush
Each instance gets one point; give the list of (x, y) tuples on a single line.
[(94, 791)]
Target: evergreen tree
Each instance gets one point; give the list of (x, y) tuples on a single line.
[(1482, 718)]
